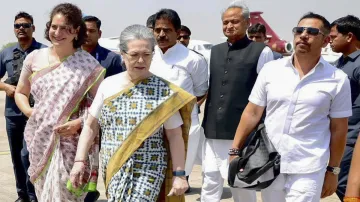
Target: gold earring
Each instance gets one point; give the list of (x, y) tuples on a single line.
[(76, 38)]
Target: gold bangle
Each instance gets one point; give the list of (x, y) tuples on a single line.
[(352, 199)]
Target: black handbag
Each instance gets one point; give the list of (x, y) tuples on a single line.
[(258, 164)]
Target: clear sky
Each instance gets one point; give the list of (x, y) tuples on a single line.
[(201, 16)]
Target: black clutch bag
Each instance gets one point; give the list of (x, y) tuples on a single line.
[(258, 164)]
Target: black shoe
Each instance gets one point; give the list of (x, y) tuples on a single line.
[(189, 189), (21, 200), (92, 196), (33, 200)]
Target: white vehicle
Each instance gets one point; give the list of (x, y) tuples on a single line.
[(329, 55), (111, 43), (202, 47)]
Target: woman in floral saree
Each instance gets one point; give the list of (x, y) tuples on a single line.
[(133, 108), (63, 80)]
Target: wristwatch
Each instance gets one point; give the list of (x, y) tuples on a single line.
[(334, 170), (179, 173)]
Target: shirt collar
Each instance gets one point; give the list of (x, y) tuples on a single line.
[(354, 55), (168, 52), (34, 45), (321, 63), (343, 60), (96, 49)]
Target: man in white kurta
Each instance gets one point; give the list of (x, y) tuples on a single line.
[(184, 68)]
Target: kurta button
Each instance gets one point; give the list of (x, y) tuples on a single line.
[(220, 108), (226, 72), (221, 96)]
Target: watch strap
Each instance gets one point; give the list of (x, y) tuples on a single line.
[(335, 170), (179, 173)]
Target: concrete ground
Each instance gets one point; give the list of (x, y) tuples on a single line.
[(7, 180)]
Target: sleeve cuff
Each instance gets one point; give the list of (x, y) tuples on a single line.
[(257, 101), (201, 89), (341, 114)]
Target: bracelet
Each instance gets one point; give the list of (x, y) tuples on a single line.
[(82, 161), (179, 173), (82, 121), (234, 152), (352, 199)]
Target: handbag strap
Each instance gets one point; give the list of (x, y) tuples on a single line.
[(265, 184), (248, 153)]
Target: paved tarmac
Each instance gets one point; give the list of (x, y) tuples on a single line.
[(7, 180)]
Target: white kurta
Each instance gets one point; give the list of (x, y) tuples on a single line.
[(189, 71)]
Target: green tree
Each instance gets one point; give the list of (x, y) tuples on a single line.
[(8, 45)]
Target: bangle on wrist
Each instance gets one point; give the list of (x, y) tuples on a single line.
[(80, 161)]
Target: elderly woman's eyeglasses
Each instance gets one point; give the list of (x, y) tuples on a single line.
[(134, 56)]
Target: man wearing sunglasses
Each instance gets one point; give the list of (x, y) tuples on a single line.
[(257, 32), (308, 102), (177, 64), (11, 62), (184, 35), (344, 38)]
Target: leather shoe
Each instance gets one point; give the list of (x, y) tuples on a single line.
[(21, 200), (189, 189)]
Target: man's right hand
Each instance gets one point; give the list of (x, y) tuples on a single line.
[(10, 90)]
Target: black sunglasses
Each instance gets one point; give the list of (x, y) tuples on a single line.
[(24, 25), (309, 30), (256, 37), (184, 37)]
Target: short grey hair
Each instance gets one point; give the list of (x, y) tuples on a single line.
[(238, 4), (136, 32)]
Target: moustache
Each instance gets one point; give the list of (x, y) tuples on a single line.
[(302, 42), (163, 39)]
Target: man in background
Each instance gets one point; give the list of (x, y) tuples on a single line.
[(11, 62), (344, 38), (257, 32), (108, 59)]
